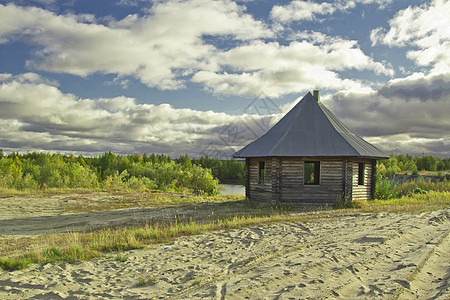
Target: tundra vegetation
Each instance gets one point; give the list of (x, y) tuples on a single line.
[(35, 172), (426, 165), (110, 172)]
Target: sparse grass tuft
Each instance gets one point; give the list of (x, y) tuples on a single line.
[(121, 257), (143, 281)]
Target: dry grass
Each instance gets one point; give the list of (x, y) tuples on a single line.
[(73, 246)]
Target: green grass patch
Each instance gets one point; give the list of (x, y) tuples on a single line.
[(52, 254), (415, 203)]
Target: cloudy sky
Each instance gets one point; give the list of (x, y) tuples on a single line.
[(206, 77)]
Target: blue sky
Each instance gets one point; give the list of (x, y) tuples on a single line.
[(207, 77)]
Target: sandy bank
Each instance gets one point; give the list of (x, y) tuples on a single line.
[(355, 255)]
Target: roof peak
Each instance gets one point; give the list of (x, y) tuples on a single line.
[(310, 129)]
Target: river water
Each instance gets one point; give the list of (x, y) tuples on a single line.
[(235, 189)]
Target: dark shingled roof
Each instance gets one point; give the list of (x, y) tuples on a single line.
[(310, 129)]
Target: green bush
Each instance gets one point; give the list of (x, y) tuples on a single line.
[(421, 186), (34, 171), (385, 188)]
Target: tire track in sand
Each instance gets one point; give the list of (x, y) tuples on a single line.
[(378, 265)]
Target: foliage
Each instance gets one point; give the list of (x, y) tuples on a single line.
[(227, 171), (385, 188), (39, 171), (401, 163), (421, 187)]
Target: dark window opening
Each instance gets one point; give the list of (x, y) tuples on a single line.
[(261, 172), (361, 169), (311, 174)]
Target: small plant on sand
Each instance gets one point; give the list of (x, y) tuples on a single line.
[(121, 257), (144, 281), (196, 282)]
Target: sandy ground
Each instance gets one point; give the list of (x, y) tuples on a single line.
[(94, 220), (33, 215), (384, 255)]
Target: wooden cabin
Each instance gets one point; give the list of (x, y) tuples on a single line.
[(310, 158)]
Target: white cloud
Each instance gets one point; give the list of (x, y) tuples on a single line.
[(167, 47), (270, 69), (158, 48), (37, 116), (130, 2), (299, 10), (404, 115), (426, 28)]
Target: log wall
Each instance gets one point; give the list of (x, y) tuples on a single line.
[(362, 192), (294, 191), (284, 181), (261, 192)]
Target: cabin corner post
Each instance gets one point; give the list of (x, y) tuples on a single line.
[(247, 178), (276, 189), (348, 172), (373, 179)]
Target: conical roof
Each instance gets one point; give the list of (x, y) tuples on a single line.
[(310, 129)]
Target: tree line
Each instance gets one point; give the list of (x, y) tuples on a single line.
[(411, 164), (38, 171)]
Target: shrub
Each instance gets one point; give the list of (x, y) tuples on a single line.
[(421, 186), (385, 188), (36, 171)]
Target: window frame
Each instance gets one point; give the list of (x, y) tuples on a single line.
[(316, 172), (261, 172), (361, 173)]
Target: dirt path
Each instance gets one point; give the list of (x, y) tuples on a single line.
[(382, 256), (88, 221), (34, 215)]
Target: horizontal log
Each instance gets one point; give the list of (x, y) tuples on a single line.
[(312, 195), (309, 200)]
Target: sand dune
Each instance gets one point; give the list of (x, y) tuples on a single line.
[(356, 255)]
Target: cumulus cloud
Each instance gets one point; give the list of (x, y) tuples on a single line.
[(158, 48), (271, 69), (424, 27), (299, 10), (404, 115), (38, 116), (168, 46)]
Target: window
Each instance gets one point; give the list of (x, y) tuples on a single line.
[(261, 172), (361, 169), (311, 173)]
